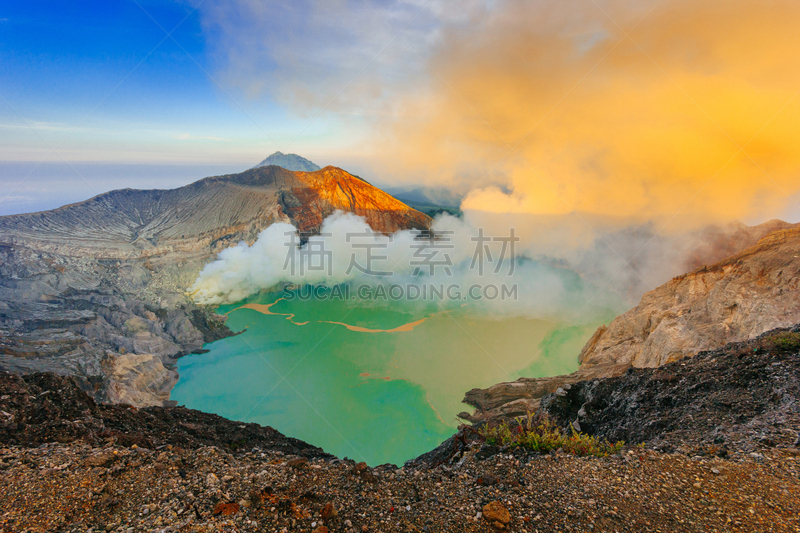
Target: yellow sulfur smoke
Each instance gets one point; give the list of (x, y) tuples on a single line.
[(681, 111)]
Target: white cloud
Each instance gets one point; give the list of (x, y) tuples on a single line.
[(340, 55)]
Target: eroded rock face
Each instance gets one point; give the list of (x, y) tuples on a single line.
[(138, 379), (736, 299), (518, 398), (118, 324), (97, 289)]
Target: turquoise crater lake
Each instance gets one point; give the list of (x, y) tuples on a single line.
[(376, 382)]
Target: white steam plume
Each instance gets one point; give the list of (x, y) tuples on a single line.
[(565, 267), (532, 288)]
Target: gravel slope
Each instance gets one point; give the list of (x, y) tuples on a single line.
[(73, 487)]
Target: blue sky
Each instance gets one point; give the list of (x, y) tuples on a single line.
[(134, 94), (231, 83), (102, 82)]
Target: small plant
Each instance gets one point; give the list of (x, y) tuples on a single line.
[(541, 435), (786, 341)]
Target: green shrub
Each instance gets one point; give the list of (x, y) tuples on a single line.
[(786, 341), (541, 435)]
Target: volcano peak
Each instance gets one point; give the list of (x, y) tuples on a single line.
[(289, 162)]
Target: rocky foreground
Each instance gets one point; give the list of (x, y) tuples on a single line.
[(712, 446), (74, 487)]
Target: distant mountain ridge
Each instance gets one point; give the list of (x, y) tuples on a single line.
[(218, 211), (429, 196), (289, 162)]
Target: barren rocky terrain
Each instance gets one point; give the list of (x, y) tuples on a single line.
[(61, 487), (743, 397)]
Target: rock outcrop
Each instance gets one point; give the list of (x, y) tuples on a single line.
[(736, 299), (717, 242), (97, 289), (42, 408), (743, 396)]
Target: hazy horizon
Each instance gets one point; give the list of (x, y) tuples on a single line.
[(45, 186), (41, 186)]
